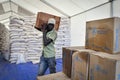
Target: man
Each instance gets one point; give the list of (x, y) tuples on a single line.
[(47, 59)]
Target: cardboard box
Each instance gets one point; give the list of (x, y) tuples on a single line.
[(67, 58), (103, 35), (80, 64), (55, 76), (43, 18), (104, 66)]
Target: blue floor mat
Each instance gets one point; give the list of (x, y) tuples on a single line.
[(26, 71)]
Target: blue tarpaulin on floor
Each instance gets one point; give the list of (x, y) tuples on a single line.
[(24, 71)]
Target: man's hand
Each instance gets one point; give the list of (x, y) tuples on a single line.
[(44, 27)]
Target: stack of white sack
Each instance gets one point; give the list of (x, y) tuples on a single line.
[(4, 41), (63, 39), (24, 39)]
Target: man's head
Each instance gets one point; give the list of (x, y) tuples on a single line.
[(51, 23)]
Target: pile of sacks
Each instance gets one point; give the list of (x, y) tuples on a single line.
[(25, 42), (63, 39), (4, 41)]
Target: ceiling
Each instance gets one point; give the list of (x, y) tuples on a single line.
[(57, 7)]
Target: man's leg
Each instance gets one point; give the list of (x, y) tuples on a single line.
[(42, 66), (52, 65)]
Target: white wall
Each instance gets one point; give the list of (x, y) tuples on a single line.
[(78, 23), (116, 8), (78, 30)]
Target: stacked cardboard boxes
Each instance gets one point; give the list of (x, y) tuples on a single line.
[(104, 66), (67, 59), (80, 64), (103, 35), (92, 65)]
